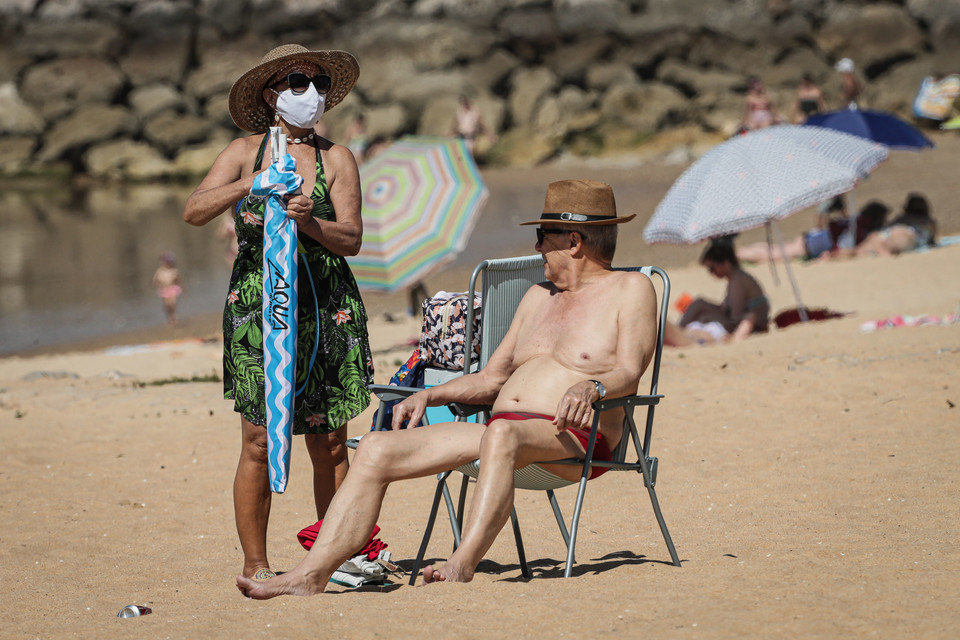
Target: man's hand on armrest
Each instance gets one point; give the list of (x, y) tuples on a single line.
[(412, 408), (575, 410)]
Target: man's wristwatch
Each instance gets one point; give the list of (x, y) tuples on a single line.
[(602, 390)]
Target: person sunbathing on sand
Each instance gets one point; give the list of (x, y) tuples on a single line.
[(585, 334)]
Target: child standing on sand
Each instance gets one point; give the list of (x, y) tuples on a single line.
[(166, 280)]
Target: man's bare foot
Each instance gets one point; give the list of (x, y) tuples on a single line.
[(446, 573), (286, 584)]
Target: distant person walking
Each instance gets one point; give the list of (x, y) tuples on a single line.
[(468, 123), (166, 280), (809, 100), (759, 110), (850, 85)]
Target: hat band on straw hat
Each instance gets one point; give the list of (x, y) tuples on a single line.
[(566, 216)]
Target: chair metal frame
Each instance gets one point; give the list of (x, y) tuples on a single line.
[(492, 333)]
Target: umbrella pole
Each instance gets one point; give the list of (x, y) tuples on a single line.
[(801, 309), (773, 265)]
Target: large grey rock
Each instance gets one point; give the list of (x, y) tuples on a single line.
[(715, 51), (576, 18), (601, 75), (87, 125), (428, 44), (379, 75), (535, 27), (119, 159), (871, 35), (12, 65), (643, 107), (385, 121), (521, 148), (572, 61), (426, 86), (528, 88), (59, 86), (15, 153), (570, 111), (945, 37), (930, 11), (170, 131), (17, 118), (150, 100), (196, 160), (217, 110), (220, 66), (151, 59), (168, 17), (693, 80), (489, 71), (649, 47), (70, 39), (479, 12)]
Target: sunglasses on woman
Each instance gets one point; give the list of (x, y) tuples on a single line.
[(299, 82)]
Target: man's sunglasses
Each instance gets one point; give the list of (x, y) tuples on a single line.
[(543, 232), (299, 82)]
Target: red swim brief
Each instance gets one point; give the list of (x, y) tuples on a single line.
[(601, 450)]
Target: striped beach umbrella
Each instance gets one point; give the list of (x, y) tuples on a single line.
[(421, 199)]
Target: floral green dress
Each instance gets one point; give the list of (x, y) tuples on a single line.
[(334, 389)]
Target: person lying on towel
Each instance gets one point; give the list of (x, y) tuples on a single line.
[(586, 333)]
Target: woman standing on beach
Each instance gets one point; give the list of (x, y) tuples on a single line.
[(291, 88)]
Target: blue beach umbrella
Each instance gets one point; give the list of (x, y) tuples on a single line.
[(876, 126), (279, 305)]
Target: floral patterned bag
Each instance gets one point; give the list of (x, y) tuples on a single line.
[(444, 330)]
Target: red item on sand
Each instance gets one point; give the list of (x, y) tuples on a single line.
[(308, 535), (683, 302)]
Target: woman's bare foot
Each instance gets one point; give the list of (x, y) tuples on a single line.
[(286, 584), (446, 573)]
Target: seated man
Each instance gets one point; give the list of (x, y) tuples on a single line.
[(586, 333)]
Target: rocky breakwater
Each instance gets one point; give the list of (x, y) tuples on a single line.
[(138, 89)]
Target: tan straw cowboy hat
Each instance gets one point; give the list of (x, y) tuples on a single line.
[(580, 202), (247, 107)]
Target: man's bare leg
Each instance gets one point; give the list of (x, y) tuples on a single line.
[(506, 445), (382, 458)]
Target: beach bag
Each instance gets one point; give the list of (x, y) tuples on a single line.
[(410, 374), (444, 330)]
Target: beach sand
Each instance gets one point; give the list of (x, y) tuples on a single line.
[(807, 476)]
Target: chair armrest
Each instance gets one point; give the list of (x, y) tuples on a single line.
[(388, 392), (466, 410), (626, 401)]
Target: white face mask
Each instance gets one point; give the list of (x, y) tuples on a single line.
[(301, 110)]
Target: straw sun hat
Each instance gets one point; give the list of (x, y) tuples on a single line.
[(247, 107), (580, 202)]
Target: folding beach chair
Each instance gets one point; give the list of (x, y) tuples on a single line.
[(504, 284)]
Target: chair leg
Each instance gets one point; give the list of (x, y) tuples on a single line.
[(440, 491), (648, 480), (574, 524), (524, 569), (461, 508), (559, 516)]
